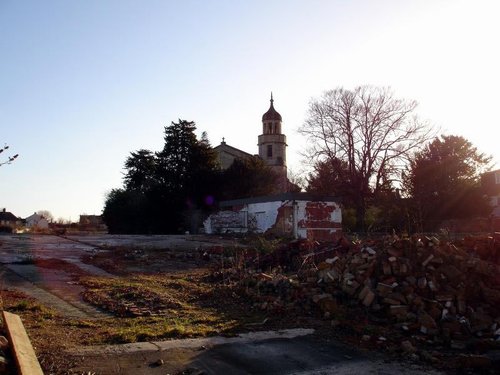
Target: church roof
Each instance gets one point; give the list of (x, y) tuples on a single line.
[(271, 113), (224, 147)]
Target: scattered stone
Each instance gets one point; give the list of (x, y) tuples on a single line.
[(369, 298), (408, 347), (158, 363), (4, 365), (4, 343), (474, 361)]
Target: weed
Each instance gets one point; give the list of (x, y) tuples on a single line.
[(22, 306), (82, 324), (34, 307)]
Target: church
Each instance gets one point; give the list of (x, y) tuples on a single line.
[(272, 148), (288, 212)]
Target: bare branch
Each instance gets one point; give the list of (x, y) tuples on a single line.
[(10, 159), (368, 128)]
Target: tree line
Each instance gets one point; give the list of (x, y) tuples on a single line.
[(390, 170), (389, 167), (172, 190)]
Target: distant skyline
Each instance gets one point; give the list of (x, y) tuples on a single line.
[(84, 83)]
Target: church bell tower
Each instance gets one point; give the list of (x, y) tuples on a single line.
[(272, 145)]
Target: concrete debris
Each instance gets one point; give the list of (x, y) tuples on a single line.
[(433, 290)]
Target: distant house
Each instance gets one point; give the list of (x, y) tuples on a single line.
[(8, 219), (91, 223), (490, 182), (298, 215), (37, 221)]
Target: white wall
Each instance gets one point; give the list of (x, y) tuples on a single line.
[(264, 213), (262, 216)]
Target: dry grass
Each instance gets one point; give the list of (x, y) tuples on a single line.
[(176, 300), (144, 307), (190, 308)]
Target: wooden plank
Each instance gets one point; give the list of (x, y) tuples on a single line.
[(22, 350)]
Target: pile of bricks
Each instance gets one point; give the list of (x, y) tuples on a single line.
[(428, 287), (423, 286)]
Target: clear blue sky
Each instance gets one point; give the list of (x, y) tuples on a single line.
[(85, 82)]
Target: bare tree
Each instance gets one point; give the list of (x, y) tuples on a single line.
[(369, 129), (46, 214), (10, 159)]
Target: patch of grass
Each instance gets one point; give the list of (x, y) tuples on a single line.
[(165, 306), (22, 306), (159, 328), (155, 307), (82, 324), (33, 307)]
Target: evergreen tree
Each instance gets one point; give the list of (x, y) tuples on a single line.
[(249, 177), (163, 191), (140, 171)]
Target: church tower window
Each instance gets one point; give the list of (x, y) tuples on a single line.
[(269, 151)]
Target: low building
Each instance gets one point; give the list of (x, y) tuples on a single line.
[(299, 215), (9, 220), (490, 182), (36, 222), (92, 223)]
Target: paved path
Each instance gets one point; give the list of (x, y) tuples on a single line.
[(52, 287), (58, 299), (55, 287)]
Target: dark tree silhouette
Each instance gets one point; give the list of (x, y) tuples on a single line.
[(443, 181), (249, 177), (163, 191), (140, 169)]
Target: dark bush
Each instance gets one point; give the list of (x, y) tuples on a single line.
[(5, 229)]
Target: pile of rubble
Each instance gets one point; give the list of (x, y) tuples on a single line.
[(429, 290)]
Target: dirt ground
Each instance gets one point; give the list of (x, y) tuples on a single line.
[(89, 291), (66, 297), (100, 290)]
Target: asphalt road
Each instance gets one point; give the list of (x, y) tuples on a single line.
[(266, 353)]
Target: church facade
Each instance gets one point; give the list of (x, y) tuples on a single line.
[(272, 148)]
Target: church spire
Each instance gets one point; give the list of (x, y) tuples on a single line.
[(271, 114)]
